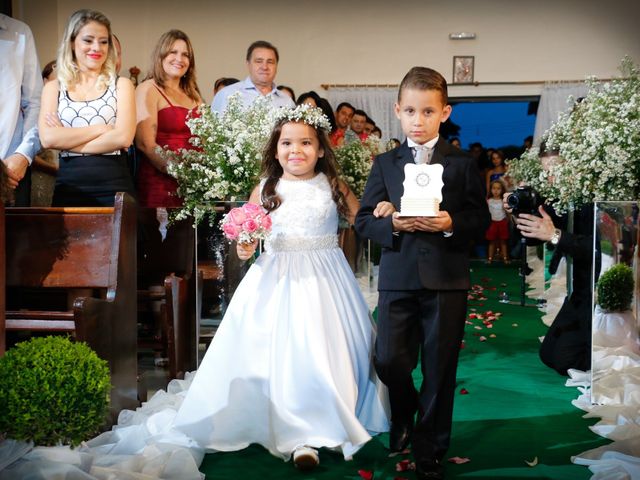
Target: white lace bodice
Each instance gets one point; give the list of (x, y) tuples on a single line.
[(307, 219)]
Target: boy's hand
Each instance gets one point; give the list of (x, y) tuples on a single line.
[(403, 224), (440, 223), (384, 209), (246, 250)]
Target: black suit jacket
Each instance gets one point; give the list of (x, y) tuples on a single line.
[(417, 260)]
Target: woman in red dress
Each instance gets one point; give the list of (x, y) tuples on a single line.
[(163, 102)]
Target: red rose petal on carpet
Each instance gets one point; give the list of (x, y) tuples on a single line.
[(405, 465), (459, 460), (366, 474)]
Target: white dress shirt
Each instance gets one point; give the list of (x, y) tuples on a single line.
[(248, 93), (20, 89)]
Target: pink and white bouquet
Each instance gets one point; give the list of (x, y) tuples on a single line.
[(246, 224)]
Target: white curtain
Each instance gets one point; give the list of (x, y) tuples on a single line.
[(554, 99), (377, 102)]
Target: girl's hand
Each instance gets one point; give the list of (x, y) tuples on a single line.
[(384, 209), (246, 250)]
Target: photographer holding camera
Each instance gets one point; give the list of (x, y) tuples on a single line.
[(567, 344)]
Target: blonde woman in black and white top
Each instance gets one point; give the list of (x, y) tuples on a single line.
[(89, 114)]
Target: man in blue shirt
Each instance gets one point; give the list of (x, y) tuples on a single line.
[(262, 63), (20, 89)]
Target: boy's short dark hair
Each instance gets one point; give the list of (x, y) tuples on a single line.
[(423, 78), (262, 44), (360, 113)]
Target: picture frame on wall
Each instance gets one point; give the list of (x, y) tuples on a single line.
[(463, 67)]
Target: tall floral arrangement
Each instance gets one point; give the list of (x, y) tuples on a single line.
[(225, 163), (598, 144), (354, 160)]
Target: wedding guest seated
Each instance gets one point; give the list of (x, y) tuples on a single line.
[(356, 130), (288, 90), (369, 125), (49, 71), (164, 101), (223, 82), (93, 166), (118, 47), (325, 106), (343, 116), (311, 97)]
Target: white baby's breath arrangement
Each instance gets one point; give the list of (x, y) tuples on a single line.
[(225, 163), (354, 160), (598, 144)]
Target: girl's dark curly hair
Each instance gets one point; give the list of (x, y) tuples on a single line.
[(272, 170)]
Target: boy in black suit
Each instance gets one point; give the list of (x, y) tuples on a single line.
[(424, 272)]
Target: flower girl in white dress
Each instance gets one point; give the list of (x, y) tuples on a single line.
[(290, 366)]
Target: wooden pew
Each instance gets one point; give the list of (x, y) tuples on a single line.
[(166, 258), (58, 252)]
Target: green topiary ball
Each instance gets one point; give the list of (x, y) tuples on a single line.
[(615, 288), (53, 391)]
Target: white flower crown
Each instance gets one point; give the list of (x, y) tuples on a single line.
[(304, 113)]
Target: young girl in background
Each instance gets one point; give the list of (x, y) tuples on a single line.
[(498, 232), (290, 366)]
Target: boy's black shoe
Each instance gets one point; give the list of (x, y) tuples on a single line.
[(399, 436), (429, 470)]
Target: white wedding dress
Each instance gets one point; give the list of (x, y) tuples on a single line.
[(290, 365), (291, 361)]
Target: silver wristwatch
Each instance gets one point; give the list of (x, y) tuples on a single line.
[(555, 238)]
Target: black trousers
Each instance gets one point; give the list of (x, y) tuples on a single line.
[(567, 343), (427, 324), (22, 193)]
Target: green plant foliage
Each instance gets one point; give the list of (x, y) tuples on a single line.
[(615, 288), (53, 391)]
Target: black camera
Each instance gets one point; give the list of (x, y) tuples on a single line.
[(524, 200)]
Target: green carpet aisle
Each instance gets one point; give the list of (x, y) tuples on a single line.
[(510, 409)]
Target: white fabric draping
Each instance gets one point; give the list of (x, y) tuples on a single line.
[(616, 359), (376, 101), (554, 99)]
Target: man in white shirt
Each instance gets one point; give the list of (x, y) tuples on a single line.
[(20, 89), (262, 63)]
